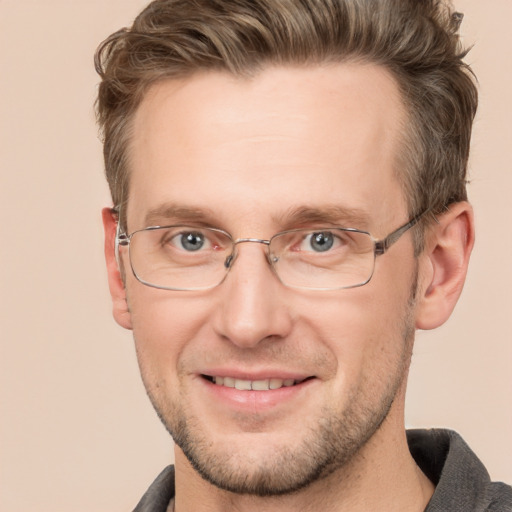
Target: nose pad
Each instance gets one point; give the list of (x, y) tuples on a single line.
[(230, 260), (271, 258)]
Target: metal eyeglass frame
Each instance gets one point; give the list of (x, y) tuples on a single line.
[(380, 247)]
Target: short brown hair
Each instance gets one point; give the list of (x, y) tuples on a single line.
[(416, 40)]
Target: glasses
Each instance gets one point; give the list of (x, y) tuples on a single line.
[(191, 258)]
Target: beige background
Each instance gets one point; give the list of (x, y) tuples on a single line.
[(76, 430)]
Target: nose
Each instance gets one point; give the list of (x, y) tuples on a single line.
[(252, 306)]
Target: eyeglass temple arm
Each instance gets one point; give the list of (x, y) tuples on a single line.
[(121, 238), (381, 246)]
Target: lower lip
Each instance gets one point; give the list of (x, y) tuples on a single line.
[(257, 401)]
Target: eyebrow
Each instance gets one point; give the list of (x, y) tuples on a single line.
[(291, 218), (171, 212), (329, 214)]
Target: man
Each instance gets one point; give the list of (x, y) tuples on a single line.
[(289, 188)]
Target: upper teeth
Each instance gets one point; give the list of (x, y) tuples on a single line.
[(257, 385)]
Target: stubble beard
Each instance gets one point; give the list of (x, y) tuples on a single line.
[(327, 446)]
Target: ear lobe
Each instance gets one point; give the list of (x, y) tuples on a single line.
[(120, 309), (443, 265)]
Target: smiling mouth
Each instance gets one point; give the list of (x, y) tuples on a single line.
[(253, 385)]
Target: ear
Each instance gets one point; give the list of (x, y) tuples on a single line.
[(443, 265), (115, 282)]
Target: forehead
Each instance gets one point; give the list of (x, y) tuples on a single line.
[(288, 138)]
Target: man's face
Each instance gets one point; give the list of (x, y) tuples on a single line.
[(289, 148)]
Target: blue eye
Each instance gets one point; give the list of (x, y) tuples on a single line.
[(321, 242), (191, 241)]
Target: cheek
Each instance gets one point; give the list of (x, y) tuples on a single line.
[(363, 328), (164, 324)]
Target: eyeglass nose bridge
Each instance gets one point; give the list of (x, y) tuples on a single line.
[(228, 263)]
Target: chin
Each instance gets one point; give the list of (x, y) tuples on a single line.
[(267, 464)]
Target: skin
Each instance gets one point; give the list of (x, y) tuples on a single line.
[(243, 154)]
